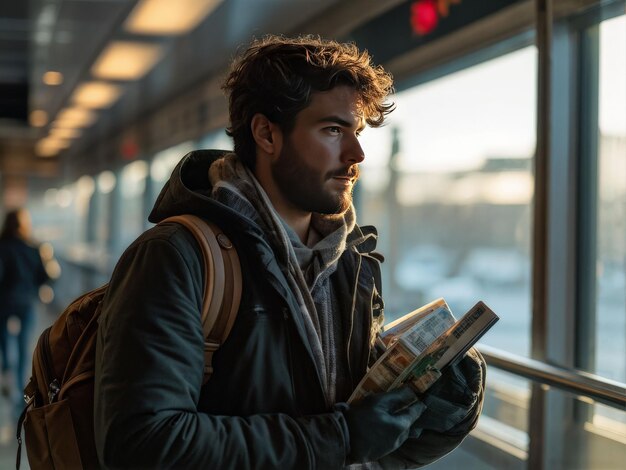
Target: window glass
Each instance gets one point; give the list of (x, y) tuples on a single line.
[(132, 187), (611, 229), (105, 185), (216, 140), (163, 163), (448, 181), (85, 188), (61, 216), (52, 217)]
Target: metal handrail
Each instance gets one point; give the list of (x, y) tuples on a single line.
[(606, 391)]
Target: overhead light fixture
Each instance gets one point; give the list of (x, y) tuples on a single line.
[(167, 17), (38, 118), (75, 117), (106, 181), (52, 78), (96, 95), (45, 151), (126, 60), (50, 146), (65, 132)]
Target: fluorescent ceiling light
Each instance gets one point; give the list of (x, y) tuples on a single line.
[(52, 78), (168, 17), (65, 132), (50, 146), (38, 118), (45, 151), (96, 94), (126, 60), (75, 117)]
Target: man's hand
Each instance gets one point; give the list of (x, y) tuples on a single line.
[(380, 423), (451, 398)]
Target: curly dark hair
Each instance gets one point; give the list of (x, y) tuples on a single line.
[(275, 76)]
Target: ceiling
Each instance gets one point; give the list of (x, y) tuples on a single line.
[(67, 36), (14, 30)]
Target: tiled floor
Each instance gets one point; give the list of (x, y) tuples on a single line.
[(8, 445)]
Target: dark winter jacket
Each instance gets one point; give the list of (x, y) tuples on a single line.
[(264, 406), (21, 274)]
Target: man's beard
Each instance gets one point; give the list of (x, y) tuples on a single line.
[(304, 187)]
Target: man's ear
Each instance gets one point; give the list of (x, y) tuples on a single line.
[(267, 134)]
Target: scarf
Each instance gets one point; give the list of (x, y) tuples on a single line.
[(307, 267)]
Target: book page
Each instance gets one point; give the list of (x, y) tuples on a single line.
[(394, 329), (423, 349), (424, 332), (447, 348), (420, 328)]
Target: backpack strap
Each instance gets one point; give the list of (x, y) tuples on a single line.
[(222, 283)]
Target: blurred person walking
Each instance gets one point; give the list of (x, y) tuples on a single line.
[(22, 272)]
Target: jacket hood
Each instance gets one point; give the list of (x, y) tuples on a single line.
[(188, 191)]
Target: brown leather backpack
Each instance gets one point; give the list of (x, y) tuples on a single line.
[(58, 418)]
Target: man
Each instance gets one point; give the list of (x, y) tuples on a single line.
[(310, 307)]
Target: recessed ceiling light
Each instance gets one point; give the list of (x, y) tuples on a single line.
[(38, 118), (52, 78), (75, 117), (126, 60), (96, 94), (65, 132), (168, 17), (50, 146)]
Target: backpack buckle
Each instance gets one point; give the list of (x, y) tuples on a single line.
[(30, 390)]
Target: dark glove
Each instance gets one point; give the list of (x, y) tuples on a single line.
[(453, 398), (380, 423)]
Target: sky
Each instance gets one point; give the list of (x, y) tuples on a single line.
[(452, 123)]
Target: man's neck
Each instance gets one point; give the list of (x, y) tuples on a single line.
[(300, 222)]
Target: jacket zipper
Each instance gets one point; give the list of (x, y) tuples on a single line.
[(289, 354), (356, 285)]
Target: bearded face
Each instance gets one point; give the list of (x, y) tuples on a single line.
[(317, 165), (311, 189)]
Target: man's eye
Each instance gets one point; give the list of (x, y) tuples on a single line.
[(334, 129)]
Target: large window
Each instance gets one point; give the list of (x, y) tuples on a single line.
[(610, 357), (131, 211), (162, 165), (449, 184)]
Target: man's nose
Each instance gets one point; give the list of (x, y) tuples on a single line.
[(353, 153)]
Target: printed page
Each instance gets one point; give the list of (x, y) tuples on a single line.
[(448, 348), (423, 350), (394, 329), (424, 332), (433, 319)]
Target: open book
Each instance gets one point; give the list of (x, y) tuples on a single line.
[(417, 347)]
